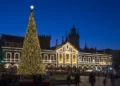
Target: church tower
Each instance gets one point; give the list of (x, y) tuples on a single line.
[(74, 37)]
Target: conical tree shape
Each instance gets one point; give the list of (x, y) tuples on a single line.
[(31, 59)]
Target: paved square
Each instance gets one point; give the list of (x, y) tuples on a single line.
[(99, 82)]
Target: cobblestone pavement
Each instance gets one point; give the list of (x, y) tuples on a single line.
[(99, 82)]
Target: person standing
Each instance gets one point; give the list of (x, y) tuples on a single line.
[(92, 79)]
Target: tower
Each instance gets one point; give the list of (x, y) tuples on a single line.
[(86, 48), (67, 36), (62, 39), (74, 37)]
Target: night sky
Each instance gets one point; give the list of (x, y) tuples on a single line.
[(97, 21)]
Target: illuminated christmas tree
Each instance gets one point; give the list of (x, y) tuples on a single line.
[(31, 59)]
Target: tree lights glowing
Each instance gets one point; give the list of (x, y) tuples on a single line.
[(31, 59)]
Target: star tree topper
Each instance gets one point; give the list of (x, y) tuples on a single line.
[(31, 7)]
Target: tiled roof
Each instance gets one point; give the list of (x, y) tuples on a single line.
[(10, 38)]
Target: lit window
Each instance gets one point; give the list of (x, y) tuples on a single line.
[(74, 58), (60, 57), (67, 57)]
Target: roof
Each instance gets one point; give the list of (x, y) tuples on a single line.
[(10, 38), (59, 46)]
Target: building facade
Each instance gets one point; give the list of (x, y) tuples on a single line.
[(66, 54)]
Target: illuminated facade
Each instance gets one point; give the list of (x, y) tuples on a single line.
[(63, 56), (67, 54)]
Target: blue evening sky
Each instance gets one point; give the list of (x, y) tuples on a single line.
[(97, 21)]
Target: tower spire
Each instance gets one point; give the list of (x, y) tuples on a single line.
[(85, 44), (73, 26), (62, 39), (56, 42), (66, 35)]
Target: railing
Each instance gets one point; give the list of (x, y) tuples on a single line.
[(96, 63), (49, 61)]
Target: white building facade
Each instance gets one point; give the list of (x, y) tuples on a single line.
[(63, 56)]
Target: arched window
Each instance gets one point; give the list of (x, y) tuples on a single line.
[(80, 58), (95, 59), (45, 57), (8, 56), (98, 59), (89, 60), (17, 56), (84, 59), (52, 57)]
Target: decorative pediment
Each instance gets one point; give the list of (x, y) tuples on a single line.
[(67, 47)]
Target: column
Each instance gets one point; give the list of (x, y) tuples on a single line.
[(57, 59), (77, 60), (71, 59), (65, 58)]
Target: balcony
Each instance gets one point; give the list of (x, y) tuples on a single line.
[(91, 63), (49, 61)]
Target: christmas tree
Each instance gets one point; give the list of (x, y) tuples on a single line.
[(31, 59)]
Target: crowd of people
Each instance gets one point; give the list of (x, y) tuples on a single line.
[(8, 80), (75, 78)]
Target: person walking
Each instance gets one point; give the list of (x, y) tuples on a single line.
[(77, 79), (68, 80), (40, 79), (112, 77), (92, 79), (104, 81)]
